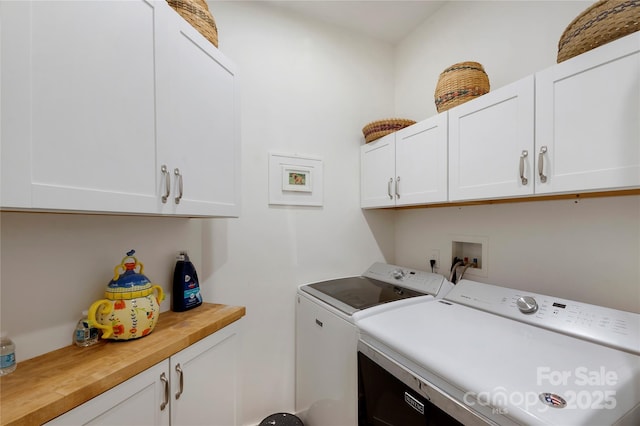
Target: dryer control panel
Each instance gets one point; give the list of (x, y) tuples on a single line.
[(609, 327), (422, 281)]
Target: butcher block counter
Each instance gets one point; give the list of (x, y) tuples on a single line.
[(44, 387)]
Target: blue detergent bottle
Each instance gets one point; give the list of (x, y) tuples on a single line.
[(186, 288)]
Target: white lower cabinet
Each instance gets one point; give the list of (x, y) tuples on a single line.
[(205, 380), (134, 402), (197, 386), (405, 168)]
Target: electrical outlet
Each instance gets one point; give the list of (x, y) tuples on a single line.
[(435, 255)]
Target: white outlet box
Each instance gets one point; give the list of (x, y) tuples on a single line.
[(472, 247)]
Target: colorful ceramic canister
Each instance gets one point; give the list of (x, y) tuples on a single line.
[(132, 303)]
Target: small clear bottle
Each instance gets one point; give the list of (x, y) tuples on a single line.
[(7, 354), (85, 335)]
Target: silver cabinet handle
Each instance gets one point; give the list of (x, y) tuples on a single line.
[(165, 381), (179, 177), (181, 375), (389, 189), (398, 187), (543, 150), (523, 179), (167, 183)]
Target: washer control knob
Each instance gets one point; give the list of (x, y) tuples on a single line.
[(527, 304), (398, 274)]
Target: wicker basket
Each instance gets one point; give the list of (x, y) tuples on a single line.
[(196, 13), (460, 83), (599, 24), (377, 129)]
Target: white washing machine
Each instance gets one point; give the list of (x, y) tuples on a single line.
[(327, 339), (491, 355)]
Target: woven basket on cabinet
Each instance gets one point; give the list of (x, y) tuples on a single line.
[(460, 83), (196, 13), (600, 23), (377, 129)]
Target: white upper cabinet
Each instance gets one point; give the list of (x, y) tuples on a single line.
[(377, 171), (97, 96), (588, 120), (421, 162), (78, 105), (571, 128), (491, 144), (408, 167), (198, 124)]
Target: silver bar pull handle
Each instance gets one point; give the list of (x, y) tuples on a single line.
[(389, 189), (165, 381), (523, 179), (167, 183), (179, 177), (543, 150), (181, 375), (398, 187)]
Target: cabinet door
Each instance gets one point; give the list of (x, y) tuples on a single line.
[(587, 111), (490, 141), (78, 105), (199, 132), (205, 385), (421, 162), (137, 401), (326, 366), (377, 171)]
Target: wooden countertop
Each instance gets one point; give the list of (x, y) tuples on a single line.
[(44, 387)]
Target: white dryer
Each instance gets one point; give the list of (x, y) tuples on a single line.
[(327, 339), (492, 355)]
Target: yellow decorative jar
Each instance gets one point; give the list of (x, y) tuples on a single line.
[(132, 303)]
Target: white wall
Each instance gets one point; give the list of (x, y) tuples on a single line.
[(309, 88), (587, 251), (306, 88), (511, 39), (53, 266)]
